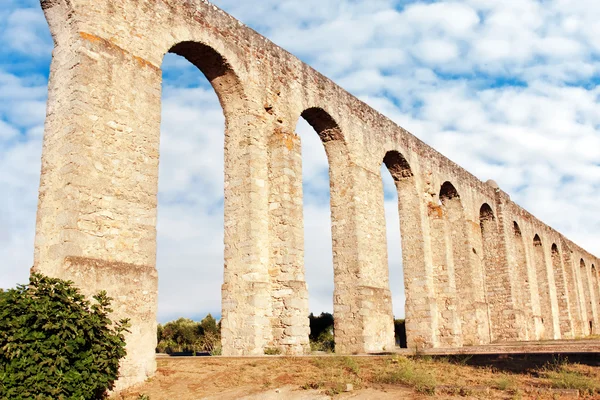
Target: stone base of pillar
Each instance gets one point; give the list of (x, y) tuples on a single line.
[(134, 290)]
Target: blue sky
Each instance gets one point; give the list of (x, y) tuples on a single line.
[(509, 90)]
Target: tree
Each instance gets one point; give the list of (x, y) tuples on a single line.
[(321, 332), (56, 344)]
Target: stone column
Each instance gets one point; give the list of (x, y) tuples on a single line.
[(362, 299), (289, 291), (96, 221), (562, 293), (449, 333), (246, 291), (571, 279)]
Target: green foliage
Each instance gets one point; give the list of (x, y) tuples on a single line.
[(55, 344), (187, 336), (321, 332)]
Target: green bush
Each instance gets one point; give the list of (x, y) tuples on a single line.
[(187, 336), (55, 344)]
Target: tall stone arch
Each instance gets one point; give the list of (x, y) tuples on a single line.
[(460, 266), (420, 306), (523, 281), (543, 288)]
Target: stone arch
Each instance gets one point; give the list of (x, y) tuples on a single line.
[(586, 297), (416, 275), (543, 288), (239, 326), (467, 276), (290, 302), (524, 280), (490, 264), (562, 293)]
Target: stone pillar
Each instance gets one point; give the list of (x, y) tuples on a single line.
[(449, 332), (362, 299), (289, 291), (96, 221), (465, 270), (521, 284), (246, 291), (562, 294), (574, 303), (586, 313), (421, 305)]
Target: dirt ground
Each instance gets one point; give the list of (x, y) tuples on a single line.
[(373, 377)]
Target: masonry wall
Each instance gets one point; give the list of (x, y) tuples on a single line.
[(477, 267)]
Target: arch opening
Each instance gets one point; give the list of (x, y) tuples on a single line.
[(405, 257), (394, 256), (317, 217), (198, 87)]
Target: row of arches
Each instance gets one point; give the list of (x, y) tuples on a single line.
[(458, 284)]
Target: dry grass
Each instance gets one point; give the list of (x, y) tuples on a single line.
[(230, 378)]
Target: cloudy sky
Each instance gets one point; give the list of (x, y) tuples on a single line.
[(508, 89)]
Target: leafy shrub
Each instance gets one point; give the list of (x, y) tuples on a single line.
[(55, 344)]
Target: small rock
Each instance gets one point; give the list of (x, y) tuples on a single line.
[(349, 387)]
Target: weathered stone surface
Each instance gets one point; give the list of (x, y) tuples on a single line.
[(478, 268)]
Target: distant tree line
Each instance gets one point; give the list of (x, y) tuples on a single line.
[(189, 337)]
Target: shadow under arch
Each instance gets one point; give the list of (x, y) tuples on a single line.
[(523, 284), (543, 289), (219, 72)]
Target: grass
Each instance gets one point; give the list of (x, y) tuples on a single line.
[(506, 382), (405, 371), (571, 377)]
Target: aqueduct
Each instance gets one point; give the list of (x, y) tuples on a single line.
[(478, 268)]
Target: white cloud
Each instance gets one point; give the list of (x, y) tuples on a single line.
[(508, 89)]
